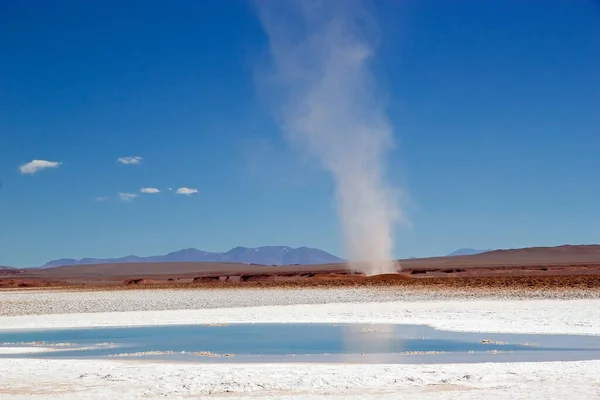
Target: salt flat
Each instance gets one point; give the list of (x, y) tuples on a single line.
[(120, 380), (24, 350), (56, 309), (63, 379)]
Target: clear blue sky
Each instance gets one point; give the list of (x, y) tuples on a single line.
[(495, 106)]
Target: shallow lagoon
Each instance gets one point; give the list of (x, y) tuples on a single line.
[(300, 343)]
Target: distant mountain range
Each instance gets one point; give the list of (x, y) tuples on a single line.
[(467, 252), (266, 255), (284, 255)]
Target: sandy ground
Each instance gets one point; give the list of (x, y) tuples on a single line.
[(82, 379)]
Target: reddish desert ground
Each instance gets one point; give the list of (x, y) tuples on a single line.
[(539, 267)]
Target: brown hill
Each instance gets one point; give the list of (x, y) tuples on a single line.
[(4, 271), (566, 254), (169, 268)]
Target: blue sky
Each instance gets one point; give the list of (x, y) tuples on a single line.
[(495, 107)]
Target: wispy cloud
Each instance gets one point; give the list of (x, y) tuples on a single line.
[(149, 190), (127, 196), (37, 165), (100, 199), (186, 191), (130, 160)]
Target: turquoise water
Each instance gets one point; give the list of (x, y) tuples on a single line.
[(303, 342)]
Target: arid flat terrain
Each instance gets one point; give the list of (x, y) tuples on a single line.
[(540, 291), (564, 266)]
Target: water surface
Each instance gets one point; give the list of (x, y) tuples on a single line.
[(361, 343)]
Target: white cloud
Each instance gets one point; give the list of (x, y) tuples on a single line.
[(130, 160), (101, 199), (127, 196), (37, 165), (150, 190), (186, 191)]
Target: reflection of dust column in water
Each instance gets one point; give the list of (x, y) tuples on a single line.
[(320, 52), (373, 342)]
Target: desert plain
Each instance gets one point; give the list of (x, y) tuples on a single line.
[(536, 290)]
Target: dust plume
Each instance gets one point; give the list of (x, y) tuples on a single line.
[(326, 98)]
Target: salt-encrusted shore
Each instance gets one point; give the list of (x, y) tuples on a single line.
[(81, 379), (24, 350), (55, 309), (65, 300), (69, 380)]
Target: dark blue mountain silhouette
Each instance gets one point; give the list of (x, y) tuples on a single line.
[(266, 255), (467, 252)]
